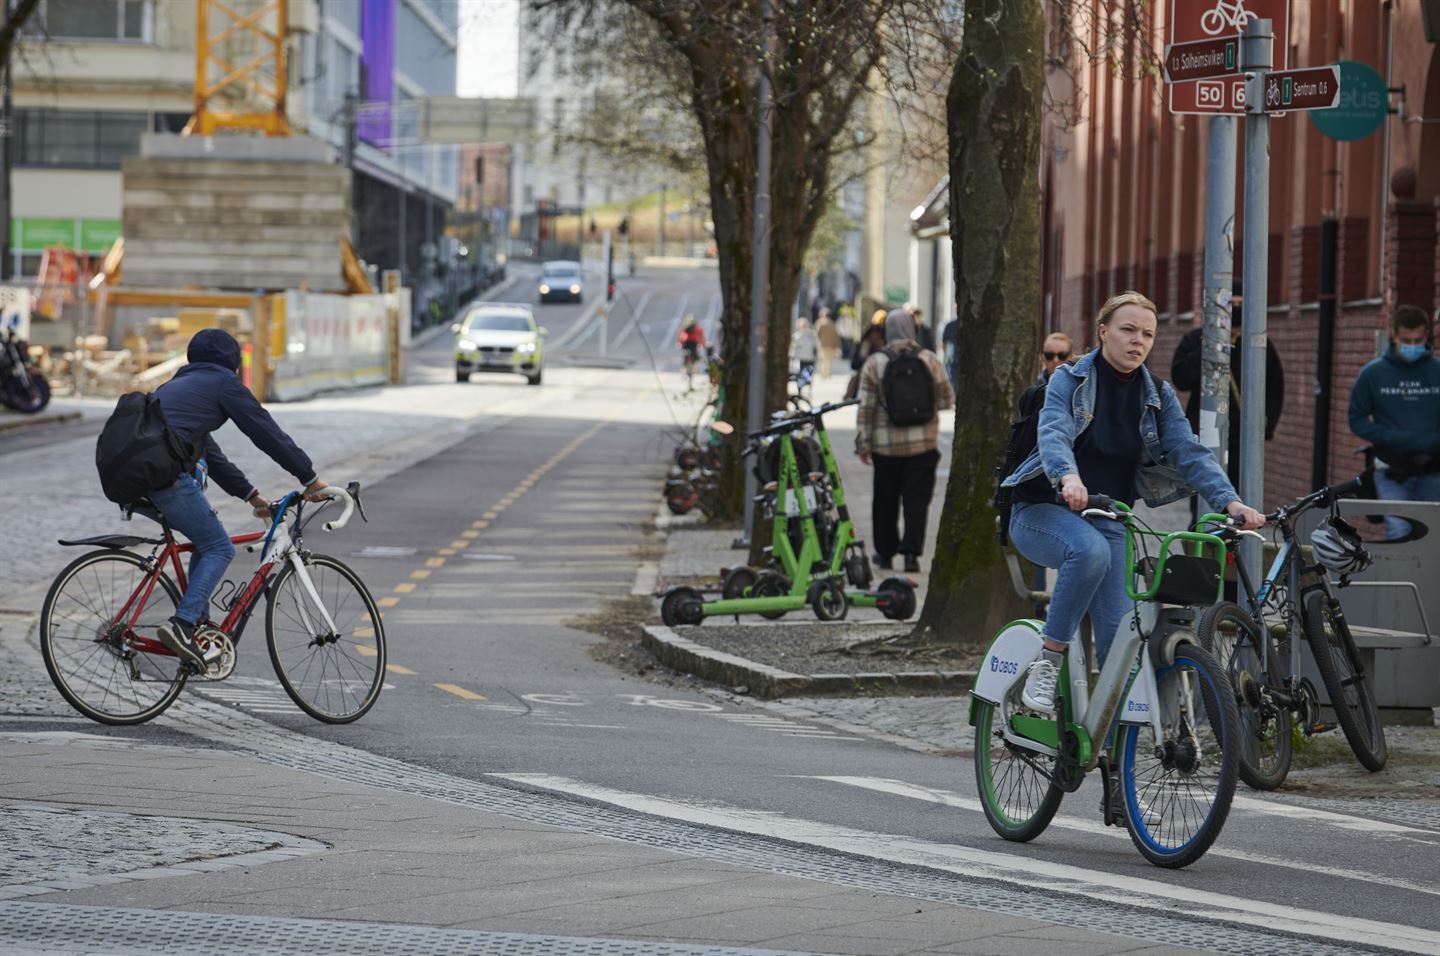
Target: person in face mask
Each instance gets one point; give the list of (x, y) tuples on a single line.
[(1395, 406)]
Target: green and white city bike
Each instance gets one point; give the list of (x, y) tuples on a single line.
[(1162, 714)]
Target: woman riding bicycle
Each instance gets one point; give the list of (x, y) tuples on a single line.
[(1107, 427), (692, 340)]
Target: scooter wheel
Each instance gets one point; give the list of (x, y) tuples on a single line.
[(827, 599), (682, 606), (737, 582), (770, 584), (902, 598), (682, 498), (687, 457)]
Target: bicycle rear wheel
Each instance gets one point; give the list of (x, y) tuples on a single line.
[(1016, 786), (334, 675), (1187, 776), (1241, 646), (1339, 664), (109, 670)]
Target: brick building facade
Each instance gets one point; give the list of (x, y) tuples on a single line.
[(1124, 182)]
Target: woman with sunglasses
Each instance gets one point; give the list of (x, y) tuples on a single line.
[(1054, 353)]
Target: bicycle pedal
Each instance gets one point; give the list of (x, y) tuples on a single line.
[(1321, 727)]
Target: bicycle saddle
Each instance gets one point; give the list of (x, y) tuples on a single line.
[(110, 541)]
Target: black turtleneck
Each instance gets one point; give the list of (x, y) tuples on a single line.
[(1107, 453)]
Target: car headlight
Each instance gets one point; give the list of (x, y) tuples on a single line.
[(525, 347), (544, 289), (575, 290), (466, 344)]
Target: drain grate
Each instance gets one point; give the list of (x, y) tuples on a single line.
[(121, 932)]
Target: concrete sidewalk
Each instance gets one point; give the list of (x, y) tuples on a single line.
[(258, 839)]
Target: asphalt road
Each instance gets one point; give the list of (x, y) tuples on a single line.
[(485, 554)]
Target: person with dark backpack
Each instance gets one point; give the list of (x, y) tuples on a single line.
[(903, 389), (158, 448)]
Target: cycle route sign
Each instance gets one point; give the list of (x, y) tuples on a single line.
[(1219, 21)]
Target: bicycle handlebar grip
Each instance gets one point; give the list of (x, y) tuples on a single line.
[(344, 515), (1094, 501), (831, 406), (1348, 488)]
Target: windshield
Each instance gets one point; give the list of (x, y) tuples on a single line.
[(497, 323), (561, 270)]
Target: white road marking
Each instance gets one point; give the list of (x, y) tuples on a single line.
[(949, 798), (634, 321), (1113, 887), (583, 325), (1340, 821)]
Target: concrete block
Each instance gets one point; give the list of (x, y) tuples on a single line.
[(297, 149)]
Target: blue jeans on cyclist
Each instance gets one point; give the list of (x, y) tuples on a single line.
[(1091, 557), (188, 511)]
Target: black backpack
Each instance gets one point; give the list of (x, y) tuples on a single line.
[(138, 451), (909, 388), (1023, 439)]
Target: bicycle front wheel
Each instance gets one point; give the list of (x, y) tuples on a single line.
[(107, 665), (1017, 789), (1241, 646), (1178, 787), (1339, 664), (334, 674)]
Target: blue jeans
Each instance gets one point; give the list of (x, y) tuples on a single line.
[(1425, 487), (188, 511), (1090, 555)]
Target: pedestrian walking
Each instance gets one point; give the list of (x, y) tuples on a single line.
[(1055, 351), (950, 349), (805, 350), (903, 389), (1395, 406), (829, 335)]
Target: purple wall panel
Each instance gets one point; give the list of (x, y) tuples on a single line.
[(377, 70)]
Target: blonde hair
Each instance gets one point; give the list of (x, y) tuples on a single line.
[(878, 318), (1115, 302), (1069, 342)]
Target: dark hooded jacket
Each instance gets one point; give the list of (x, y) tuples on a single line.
[(206, 394)]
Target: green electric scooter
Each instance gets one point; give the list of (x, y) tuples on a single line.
[(813, 553)]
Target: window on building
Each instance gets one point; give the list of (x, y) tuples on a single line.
[(85, 138), (92, 20)]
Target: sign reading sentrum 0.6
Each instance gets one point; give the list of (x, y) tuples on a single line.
[(1315, 88), (1216, 20)]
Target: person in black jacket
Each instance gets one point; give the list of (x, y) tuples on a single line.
[(1185, 374), (202, 396)]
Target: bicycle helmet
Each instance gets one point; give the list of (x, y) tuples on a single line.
[(1338, 547)]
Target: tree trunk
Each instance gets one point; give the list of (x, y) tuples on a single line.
[(993, 113)]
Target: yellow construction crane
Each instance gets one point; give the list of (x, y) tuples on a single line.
[(256, 40)]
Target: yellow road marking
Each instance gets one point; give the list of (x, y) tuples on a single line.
[(434, 562), (363, 632), (488, 516), (418, 576), (479, 524), (404, 588), (365, 650), (460, 545), (469, 534), (448, 552), (461, 692), (397, 669), (388, 601)]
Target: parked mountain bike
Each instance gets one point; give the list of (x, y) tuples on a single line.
[(1161, 706), (1254, 644), (22, 386), (324, 632)]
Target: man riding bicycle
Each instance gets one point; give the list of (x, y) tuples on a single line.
[(202, 396), (692, 340)]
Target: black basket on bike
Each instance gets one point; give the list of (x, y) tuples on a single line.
[(1185, 579), (808, 459)]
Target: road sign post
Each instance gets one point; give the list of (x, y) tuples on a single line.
[(1255, 55)]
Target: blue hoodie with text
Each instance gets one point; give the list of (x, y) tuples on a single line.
[(206, 394), (1395, 406)]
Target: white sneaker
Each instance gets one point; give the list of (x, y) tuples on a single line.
[(1039, 692)]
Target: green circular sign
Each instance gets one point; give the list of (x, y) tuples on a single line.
[(1364, 104)]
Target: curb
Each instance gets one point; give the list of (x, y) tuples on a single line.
[(36, 421), (768, 682)]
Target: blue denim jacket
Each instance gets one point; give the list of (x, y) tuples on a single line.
[(1173, 462)]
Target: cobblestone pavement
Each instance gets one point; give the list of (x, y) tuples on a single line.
[(43, 849)]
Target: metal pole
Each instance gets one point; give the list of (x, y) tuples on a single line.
[(1255, 59), (660, 240), (7, 137), (759, 269), (1324, 347), (1219, 276)]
